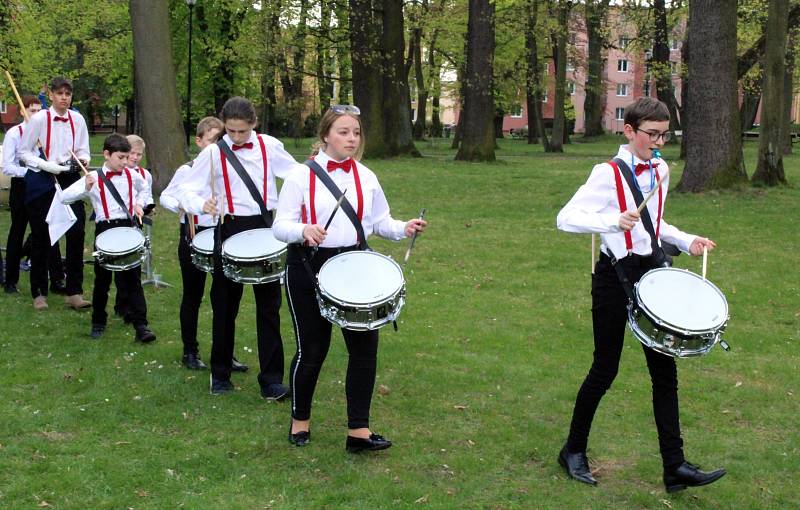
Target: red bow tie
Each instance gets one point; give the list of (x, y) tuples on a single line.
[(344, 165), (644, 167), (113, 174), (60, 119), (248, 145)]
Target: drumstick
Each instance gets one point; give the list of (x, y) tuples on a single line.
[(335, 208), (413, 238), (705, 261), (652, 192), (212, 178), (80, 163), (21, 105), (190, 222)]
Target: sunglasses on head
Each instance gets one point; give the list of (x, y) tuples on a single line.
[(341, 109)]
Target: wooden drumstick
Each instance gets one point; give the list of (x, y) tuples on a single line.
[(190, 222), (21, 105), (705, 261), (213, 178), (80, 163), (652, 192), (335, 208)]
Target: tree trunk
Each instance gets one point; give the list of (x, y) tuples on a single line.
[(713, 158), (422, 90), (222, 68), (788, 91), (477, 143), (158, 94), (434, 86), (593, 105), (560, 59), (661, 64), (751, 98), (396, 94), (271, 13), (498, 123), (367, 83), (324, 58), (685, 84), (343, 61), (769, 171)]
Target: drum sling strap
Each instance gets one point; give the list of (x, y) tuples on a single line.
[(114, 193), (248, 182)]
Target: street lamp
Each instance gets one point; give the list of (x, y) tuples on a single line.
[(189, 3)]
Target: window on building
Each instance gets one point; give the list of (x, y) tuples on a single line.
[(623, 41), (620, 113), (516, 111), (674, 44), (570, 65), (673, 68), (2, 107), (646, 88), (622, 65), (546, 69), (571, 88), (622, 89), (544, 96)]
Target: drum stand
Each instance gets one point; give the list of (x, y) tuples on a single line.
[(150, 276)]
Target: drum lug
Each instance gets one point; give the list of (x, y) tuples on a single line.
[(724, 345)]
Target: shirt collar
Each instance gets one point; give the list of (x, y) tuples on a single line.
[(253, 139), (322, 159), (625, 155)]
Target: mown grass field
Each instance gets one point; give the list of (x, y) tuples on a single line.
[(477, 386)]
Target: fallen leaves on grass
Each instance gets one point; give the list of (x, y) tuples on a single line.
[(459, 407), (423, 499), (383, 390)]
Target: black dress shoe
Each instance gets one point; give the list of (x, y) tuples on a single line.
[(373, 443), (58, 287), (274, 391), (192, 361), (689, 475), (301, 438), (220, 387), (237, 366), (144, 335), (577, 466), (11, 289), (97, 331)]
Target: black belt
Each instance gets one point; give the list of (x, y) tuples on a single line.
[(631, 260), (297, 253)]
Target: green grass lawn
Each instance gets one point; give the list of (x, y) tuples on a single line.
[(476, 387)]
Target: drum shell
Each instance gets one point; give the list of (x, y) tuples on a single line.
[(124, 260), (202, 259), (258, 268), (361, 316), (5, 188)]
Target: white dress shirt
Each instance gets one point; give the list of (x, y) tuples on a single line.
[(195, 188), (77, 191), (170, 198), (11, 153), (295, 197), (148, 194), (62, 139), (595, 209)]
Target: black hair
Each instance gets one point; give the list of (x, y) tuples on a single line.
[(644, 109), (115, 142), (60, 82), (238, 108)]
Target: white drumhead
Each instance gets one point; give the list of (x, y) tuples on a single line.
[(204, 241), (360, 277), (119, 240), (683, 299), (252, 244)]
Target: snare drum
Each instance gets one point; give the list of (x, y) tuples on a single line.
[(5, 187), (253, 257), (677, 313), (361, 290), (121, 248), (202, 249)]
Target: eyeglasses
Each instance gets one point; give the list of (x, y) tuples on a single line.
[(341, 109), (655, 135)]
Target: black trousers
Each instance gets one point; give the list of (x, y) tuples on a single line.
[(128, 282), (40, 246), (16, 245), (194, 285), (225, 298), (609, 316), (313, 339)]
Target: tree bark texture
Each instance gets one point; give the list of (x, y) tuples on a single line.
[(157, 90), (712, 126), (533, 78), (769, 171), (788, 91), (477, 142), (559, 37), (396, 93), (663, 74), (596, 13)]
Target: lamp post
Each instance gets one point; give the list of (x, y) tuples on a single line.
[(189, 3)]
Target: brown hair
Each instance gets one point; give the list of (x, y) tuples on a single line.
[(28, 100), (60, 82), (644, 109), (206, 124), (325, 124), (238, 108)]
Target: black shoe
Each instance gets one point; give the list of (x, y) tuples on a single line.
[(58, 287), (220, 387), (144, 335), (237, 366), (11, 289), (192, 361), (375, 442), (689, 475), (97, 331), (301, 438), (274, 391), (576, 466)]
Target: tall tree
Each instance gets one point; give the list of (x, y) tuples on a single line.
[(367, 83), (559, 37), (770, 141), (788, 90), (477, 142), (596, 13), (533, 77), (155, 81), (324, 56), (713, 158), (396, 94), (661, 64)]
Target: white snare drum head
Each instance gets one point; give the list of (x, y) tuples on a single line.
[(360, 277), (204, 241), (119, 240), (252, 244), (683, 299)]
